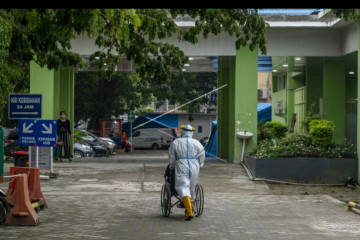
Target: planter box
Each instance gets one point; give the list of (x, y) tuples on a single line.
[(304, 170)]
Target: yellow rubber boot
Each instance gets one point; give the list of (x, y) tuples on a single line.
[(188, 208)]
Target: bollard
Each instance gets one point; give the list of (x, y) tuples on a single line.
[(22, 213), (35, 193), (352, 205)]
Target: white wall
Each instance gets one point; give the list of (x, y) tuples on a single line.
[(199, 120), (282, 41), (303, 42), (349, 39)]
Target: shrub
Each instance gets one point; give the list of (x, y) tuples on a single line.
[(321, 132), (306, 122), (310, 116), (272, 130), (300, 145)]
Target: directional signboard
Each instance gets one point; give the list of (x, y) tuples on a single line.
[(25, 106), (46, 134), (40, 133)]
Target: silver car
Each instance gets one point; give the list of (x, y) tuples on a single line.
[(108, 143)]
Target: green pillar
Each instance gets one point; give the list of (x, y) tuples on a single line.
[(314, 83), (1, 155), (243, 101), (334, 95), (223, 108), (42, 81), (290, 86), (219, 107), (57, 89), (358, 104)]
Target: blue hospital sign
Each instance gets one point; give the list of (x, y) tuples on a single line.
[(40, 133), (25, 106)]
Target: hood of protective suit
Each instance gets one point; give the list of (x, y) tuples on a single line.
[(187, 133)]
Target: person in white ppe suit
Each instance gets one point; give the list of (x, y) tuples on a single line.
[(187, 156)]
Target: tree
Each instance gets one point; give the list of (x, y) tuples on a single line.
[(44, 36), (102, 98), (14, 73), (347, 14), (186, 86)]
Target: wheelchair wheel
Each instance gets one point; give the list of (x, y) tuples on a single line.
[(199, 200), (165, 201)]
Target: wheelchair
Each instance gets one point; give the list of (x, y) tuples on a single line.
[(168, 191)]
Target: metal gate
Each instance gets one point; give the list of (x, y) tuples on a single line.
[(350, 121), (300, 108)]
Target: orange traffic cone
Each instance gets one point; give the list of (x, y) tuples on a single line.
[(22, 213)]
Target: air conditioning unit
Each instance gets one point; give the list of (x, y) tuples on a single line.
[(278, 107), (262, 93)]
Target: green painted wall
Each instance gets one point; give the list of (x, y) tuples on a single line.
[(314, 84), (279, 95), (334, 95)]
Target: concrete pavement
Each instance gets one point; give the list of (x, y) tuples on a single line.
[(119, 198)]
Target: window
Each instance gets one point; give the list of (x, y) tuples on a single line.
[(136, 134), (199, 129), (281, 81)]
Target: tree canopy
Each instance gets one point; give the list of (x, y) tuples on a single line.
[(125, 92), (44, 36)]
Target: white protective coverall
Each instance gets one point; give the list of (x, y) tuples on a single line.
[(187, 155)]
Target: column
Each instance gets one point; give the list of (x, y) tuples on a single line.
[(223, 108), (334, 95), (57, 89), (243, 101), (358, 104)]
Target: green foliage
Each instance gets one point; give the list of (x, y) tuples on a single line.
[(272, 130), (300, 145), (347, 14), (247, 26), (186, 86), (321, 132), (310, 116), (44, 35), (144, 110), (122, 93), (14, 72)]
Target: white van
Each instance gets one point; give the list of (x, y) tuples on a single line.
[(153, 138)]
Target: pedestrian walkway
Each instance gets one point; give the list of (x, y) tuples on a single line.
[(106, 199)]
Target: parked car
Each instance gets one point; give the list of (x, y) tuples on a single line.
[(91, 139), (98, 150), (83, 149), (11, 144), (108, 139), (153, 138)]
